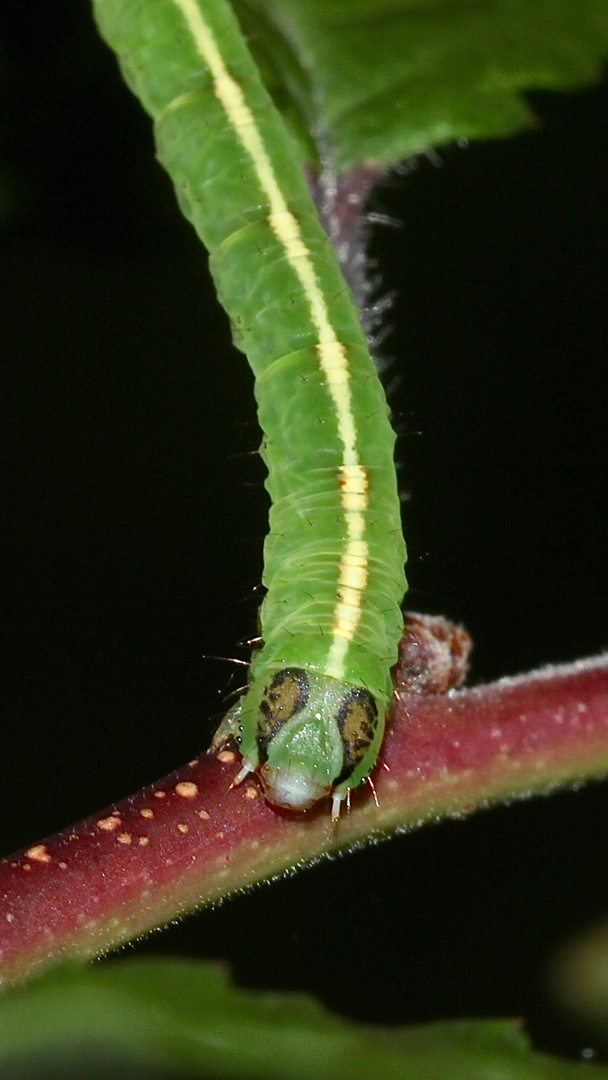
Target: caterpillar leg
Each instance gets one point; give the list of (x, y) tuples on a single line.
[(228, 729), (242, 774), (336, 806)]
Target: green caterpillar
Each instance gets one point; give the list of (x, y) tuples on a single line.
[(312, 720)]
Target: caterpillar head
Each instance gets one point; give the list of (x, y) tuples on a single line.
[(308, 736)]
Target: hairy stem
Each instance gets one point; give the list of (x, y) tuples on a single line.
[(190, 840)]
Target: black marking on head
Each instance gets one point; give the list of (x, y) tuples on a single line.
[(285, 696), (357, 721)]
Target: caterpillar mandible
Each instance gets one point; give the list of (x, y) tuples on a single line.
[(312, 720)]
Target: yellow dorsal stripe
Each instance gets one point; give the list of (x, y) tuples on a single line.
[(353, 570)]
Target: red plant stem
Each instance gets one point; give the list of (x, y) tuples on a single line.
[(189, 839), (340, 200)]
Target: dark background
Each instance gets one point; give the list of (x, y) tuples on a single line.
[(136, 515)]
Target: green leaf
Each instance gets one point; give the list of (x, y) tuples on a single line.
[(187, 1016), (376, 80), (579, 979)]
